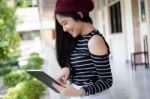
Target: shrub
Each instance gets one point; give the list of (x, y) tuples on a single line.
[(23, 3), (5, 70), (14, 77), (34, 62), (31, 89), (7, 64)]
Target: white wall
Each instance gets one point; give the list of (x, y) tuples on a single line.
[(144, 26), (149, 31), (128, 27), (116, 41), (121, 44), (117, 44)]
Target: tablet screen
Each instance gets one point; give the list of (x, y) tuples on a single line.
[(43, 77)]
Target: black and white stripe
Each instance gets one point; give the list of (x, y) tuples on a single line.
[(93, 72)]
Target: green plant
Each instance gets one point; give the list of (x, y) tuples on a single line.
[(23, 3), (8, 36), (34, 62), (5, 70), (31, 89), (6, 65), (9, 39), (13, 78)]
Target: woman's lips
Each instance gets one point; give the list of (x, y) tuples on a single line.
[(70, 32)]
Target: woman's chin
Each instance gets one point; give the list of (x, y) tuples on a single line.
[(74, 36)]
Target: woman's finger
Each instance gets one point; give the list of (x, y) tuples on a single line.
[(58, 87)]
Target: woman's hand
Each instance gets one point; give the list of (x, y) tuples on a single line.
[(63, 75), (68, 90)]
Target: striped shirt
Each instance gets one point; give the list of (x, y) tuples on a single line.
[(93, 72)]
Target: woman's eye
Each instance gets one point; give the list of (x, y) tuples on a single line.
[(65, 24)]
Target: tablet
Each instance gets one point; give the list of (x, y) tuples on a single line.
[(43, 77)]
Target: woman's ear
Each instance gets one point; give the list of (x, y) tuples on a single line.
[(80, 14)]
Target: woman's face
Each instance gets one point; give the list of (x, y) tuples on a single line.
[(70, 25)]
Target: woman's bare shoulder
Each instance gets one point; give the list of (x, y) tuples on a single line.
[(97, 45)]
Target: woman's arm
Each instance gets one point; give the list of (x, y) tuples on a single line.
[(100, 58)]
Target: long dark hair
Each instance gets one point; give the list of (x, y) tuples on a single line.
[(64, 41)]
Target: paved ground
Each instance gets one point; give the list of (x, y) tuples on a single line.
[(2, 88), (130, 84)]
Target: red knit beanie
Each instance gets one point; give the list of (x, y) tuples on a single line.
[(74, 6)]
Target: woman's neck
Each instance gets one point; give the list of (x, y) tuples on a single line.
[(87, 28)]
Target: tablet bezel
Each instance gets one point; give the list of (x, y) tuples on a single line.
[(44, 78)]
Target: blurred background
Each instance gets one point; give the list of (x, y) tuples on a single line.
[(27, 41)]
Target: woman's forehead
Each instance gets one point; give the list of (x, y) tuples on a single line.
[(61, 18)]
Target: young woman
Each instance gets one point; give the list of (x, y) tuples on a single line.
[(82, 52)]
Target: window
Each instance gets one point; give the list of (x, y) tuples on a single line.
[(30, 35), (143, 15), (110, 1), (115, 17)]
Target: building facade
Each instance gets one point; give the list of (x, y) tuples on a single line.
[(46, 9), (124, 23)]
